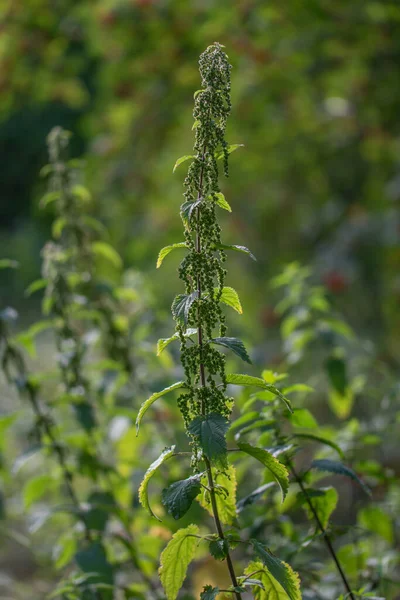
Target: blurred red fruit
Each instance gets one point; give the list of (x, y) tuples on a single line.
[(336, 282), (268, 317)]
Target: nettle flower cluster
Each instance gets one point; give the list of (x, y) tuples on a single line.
[(202, 270), (67, 271), (83, 306)]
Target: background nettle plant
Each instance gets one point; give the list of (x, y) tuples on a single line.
[(204, 402), (92, 331)]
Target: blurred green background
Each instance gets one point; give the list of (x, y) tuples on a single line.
[(316, 96)]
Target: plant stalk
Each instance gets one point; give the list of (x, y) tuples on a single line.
[(325, 535), (210, 478)]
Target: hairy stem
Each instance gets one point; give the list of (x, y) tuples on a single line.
[(323, 531), (210, 479)]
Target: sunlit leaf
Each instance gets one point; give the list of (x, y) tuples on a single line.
[(323, 502), (108, 252), (281, 571), (36, 487), (166, 250), (143, 489), (230, 149), (225, 494), (181, 160), (276, 468), (176, 558), (221, 201), (146, 405), (164, 342), (230, 297)]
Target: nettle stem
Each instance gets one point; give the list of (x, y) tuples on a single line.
[(16, 373), (203, 383), (325, 535)]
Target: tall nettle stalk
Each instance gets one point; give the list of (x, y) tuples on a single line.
[(201, 329)]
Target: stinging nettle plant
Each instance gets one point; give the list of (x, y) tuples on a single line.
[(85, 314), (201, 328)]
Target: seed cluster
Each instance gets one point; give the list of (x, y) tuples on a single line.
[(202, 270), (69, 266)]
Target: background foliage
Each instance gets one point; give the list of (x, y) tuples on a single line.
[(316, 90)]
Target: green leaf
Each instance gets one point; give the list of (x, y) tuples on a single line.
[(321, 440), (49, 198), (187, 209), (210, 431), (166, 250), (297, 387), (376, 520), (164, 342), (271, 590), (338, 468), (242, 249), (27, 338), (218, 549), (249, 380), (244, 420), (181, 307), (143, 489), (250, 582), (57, 227), (35, 488), (85, 415), (225, 494), (6, 421), (341, 404), (176, 558), (221, 201), (178, 497), (272, 377), (230, 297), (8, 263), (231, 148), (254, 496), (146, 405), (35, 286), (81, 192), (64, 550), (324, 502), (274, 390), (277, 469), (209, 593), (108, 252), (280, 570), (101, 506), (94, 224), (181, 160), (233, 344), (336, 368), (92, 560), (301, 417)]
